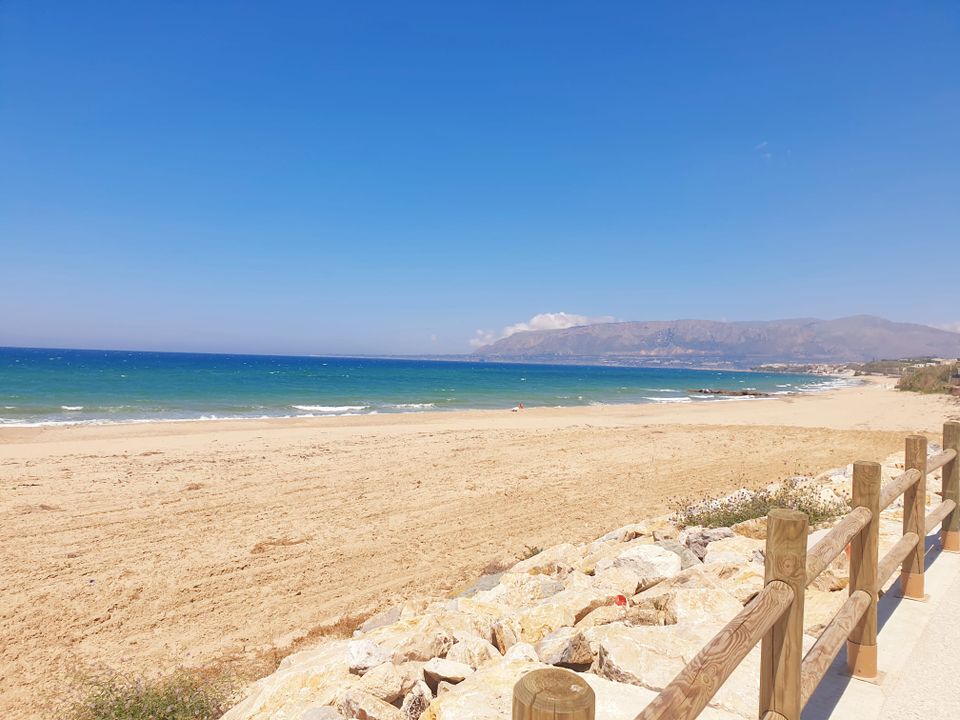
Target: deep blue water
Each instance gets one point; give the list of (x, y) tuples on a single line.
[(69, 386)]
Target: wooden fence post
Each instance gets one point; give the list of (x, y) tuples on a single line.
[(950, 531), (553, 694), (781, 650), (864, 557), (915, 517)]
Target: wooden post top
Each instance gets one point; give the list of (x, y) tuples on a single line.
[(553, 693)]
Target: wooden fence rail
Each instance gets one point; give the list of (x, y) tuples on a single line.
[(774, 618)]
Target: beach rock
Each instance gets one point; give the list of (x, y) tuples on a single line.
[(819, 607), (383, 682), (603, 616), (626, 533), (620, 580), (416, 701), (651, 563), (581, 602), (413, 639), (520, 590), (697, 539), (441, 669), (321, 713), (736, 549), (755, 528), (362, 655), (566, 646), (474, 652), (541, 620), (651, 657), (690, 605), (521, 652), (686, 555), (506, 633), (363, 706), (307, 679), (556, 560)]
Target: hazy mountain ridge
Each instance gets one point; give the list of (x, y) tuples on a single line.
[(849, 339)]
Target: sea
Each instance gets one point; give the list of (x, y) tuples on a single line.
[(52, 387)]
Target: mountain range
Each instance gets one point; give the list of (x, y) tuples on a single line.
[(688, 342)]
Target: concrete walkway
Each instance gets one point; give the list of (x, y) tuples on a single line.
[(919, 655)]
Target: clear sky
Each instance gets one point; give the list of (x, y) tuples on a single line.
[(311, 177)]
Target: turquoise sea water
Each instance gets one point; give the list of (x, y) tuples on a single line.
[(39, 386)]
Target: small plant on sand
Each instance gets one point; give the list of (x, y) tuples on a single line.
[(184, 695), (748, 504), (529, 551)]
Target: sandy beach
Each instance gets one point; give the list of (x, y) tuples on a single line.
[(147, 546)]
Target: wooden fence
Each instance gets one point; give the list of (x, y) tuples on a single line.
[(774, 618)]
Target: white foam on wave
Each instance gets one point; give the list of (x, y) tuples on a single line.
[(668, 400), (329, 408), (413, 406), (71, 407)]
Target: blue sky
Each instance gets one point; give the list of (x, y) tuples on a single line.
[(312, 177)]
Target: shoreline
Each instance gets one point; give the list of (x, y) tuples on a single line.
[(147, 546), (690, 397)]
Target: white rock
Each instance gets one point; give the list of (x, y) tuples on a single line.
[(416, 701), (650, 562), (691, 605), (541, 620), (362, 655), (556, 560), (383, 682), (321, 713), (521, 652), (475, 652), (441, 669), (734, 549), (566, 646), (357, 704)]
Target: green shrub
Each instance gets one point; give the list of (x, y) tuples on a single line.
[(747, 505), (935, 379), (181, 696)]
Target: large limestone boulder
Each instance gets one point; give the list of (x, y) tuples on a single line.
[(384, 682), (416, 701), (474, 652), (581, 602), (304, 680), (556, 560), (519, 590), (443, 670), (358, 704), (566, 646), (686, 555), (652, 657), (620, 580), (364, 654), (819, 607), (541, 620), (743, 581), (651, 563), (414, 639), (697, 538), (488, 695), (627, 533), (736, 549), (690, 605)]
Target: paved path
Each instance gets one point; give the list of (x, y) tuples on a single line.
[(919, 656)]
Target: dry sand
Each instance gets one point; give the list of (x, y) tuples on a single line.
[(144, 547)]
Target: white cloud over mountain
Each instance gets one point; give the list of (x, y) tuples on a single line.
[(543, 321)]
